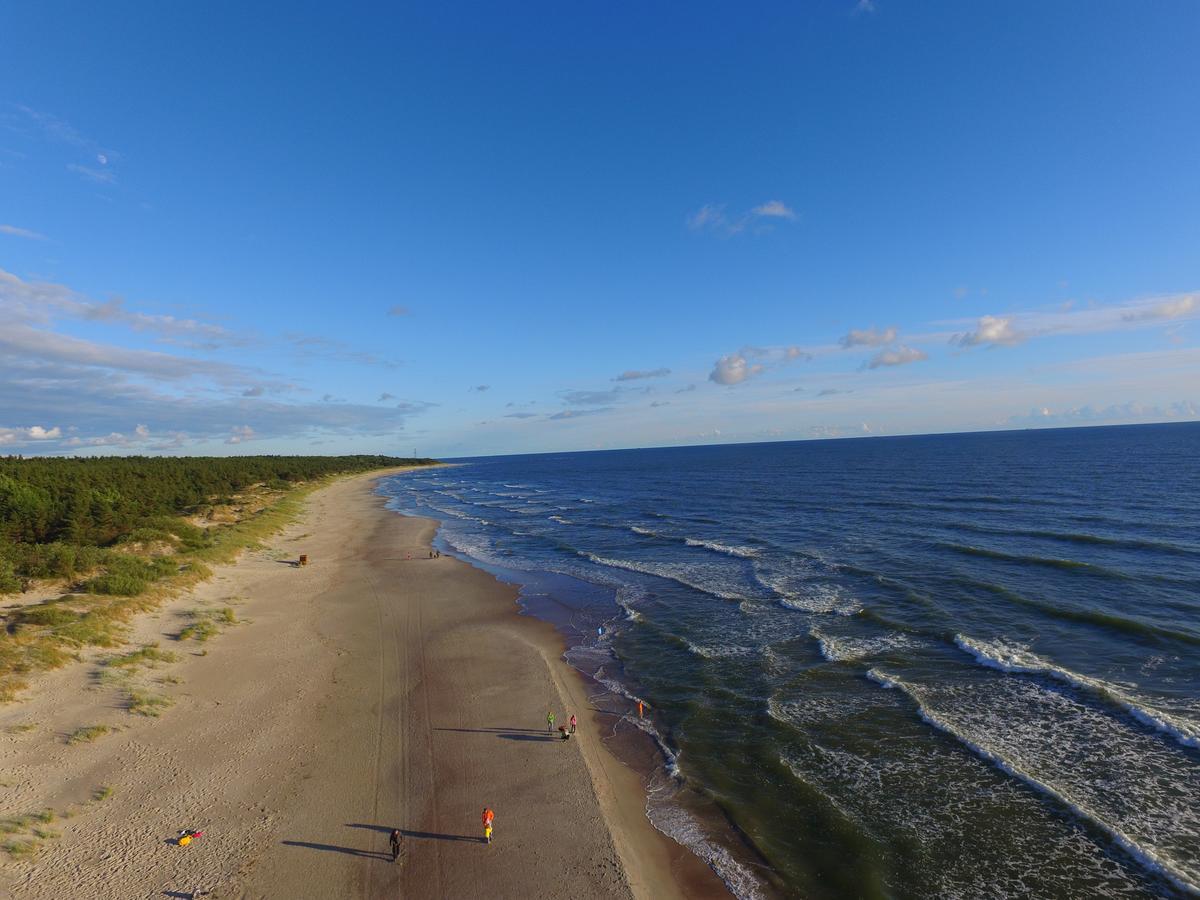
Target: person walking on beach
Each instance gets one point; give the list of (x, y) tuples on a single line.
[(394, 840), (488, 818), (641, 709), (550, 722), (573, 723)]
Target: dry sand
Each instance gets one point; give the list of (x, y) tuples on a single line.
[(374, 689)]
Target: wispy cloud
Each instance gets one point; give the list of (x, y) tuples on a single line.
[(40, 303), (399, 311), (481, 388), (712, 217), (1119, 412), (14, 231), (896, 356), (867, 337), (1174, 308), (520, 415), (35, 123), (314, 347), (99, 176), (636, 374), (773, 209), (577, 413)]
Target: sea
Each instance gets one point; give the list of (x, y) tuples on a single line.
[(935, 666)]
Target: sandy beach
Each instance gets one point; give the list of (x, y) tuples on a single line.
[(373, 689)]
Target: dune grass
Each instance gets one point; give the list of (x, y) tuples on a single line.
[(85, 734), (143, 703), (24, 834), (147, 655)]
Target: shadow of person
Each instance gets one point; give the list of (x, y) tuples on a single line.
[(493, 730), (333, 848), (527, 737), (423, 835)]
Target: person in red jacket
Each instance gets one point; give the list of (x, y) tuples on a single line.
[(488, 818)]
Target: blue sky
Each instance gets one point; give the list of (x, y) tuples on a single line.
[(487, 228)]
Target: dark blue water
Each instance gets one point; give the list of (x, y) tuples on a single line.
[(953, 666)]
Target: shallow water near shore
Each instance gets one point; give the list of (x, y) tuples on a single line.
[(954, 666)]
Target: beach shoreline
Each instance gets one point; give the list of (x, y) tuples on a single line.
[(373, 689)]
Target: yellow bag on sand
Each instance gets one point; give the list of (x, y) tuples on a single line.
[(185, 840)]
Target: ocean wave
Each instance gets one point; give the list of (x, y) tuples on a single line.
[(1014, 658), (1148, 857), (1069, 565), (687, 575), (560, 520), (727, 549), (638, 529), (677, 824), (821, 598), (1097, 617), (851, 649), (1084, 538), (720, 651)]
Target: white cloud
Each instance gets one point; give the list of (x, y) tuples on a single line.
[(994, 330), (385, 396), (32, 433), (793, 353), (733, 369), (897, 356), (635, 374), (14, 231), (399, 311), (1172, 308), (868, 337), (773, 209), (481, 388)]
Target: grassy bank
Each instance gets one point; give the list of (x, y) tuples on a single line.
[(152, 561)]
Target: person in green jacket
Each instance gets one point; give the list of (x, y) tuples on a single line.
[(550, 722)]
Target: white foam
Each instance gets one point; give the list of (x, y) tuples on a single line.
[(638, 529), (559, 519), (719, 651), (677, 824), (821, 598), (1016, 658), (849, 649), (707, 580), (728, 549)]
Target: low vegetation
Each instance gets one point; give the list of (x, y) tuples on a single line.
[(24, 834), (123, 533), (143, 703), (147, 655), (87, 733)]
